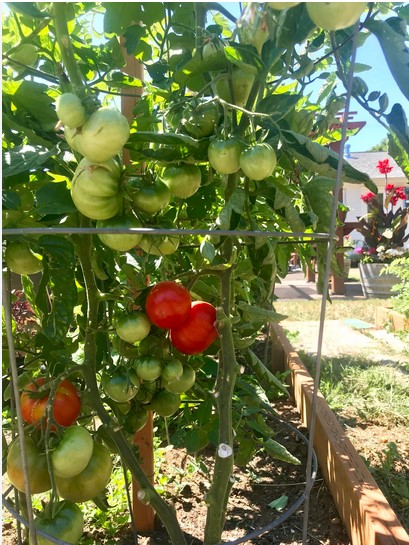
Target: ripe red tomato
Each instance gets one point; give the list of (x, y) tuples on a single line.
[(197, 332), (168, 304), (66, 403)]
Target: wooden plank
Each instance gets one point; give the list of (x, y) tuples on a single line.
[(366, 513)]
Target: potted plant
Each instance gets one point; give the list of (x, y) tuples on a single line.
[(384, 231)]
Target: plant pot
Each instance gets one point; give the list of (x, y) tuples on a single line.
[(375, 284)]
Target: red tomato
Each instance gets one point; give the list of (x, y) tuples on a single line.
[(168, 304), (197, 332), (66, 404)]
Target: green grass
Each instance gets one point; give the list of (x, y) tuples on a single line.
[(338, 309), (359, 389)]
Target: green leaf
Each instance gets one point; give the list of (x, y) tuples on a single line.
[(279, 452), (278, 105), (207, 250), (32, 97), (234, 204), (324, 161), (119, 15), (245, 452), (54, 198), (27, 8), (196, 66), (169, 139), (26, 158), (57, 289), (394, 48), (279, 504), (267, 380)]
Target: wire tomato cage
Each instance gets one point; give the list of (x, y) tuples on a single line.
[(283, 237)]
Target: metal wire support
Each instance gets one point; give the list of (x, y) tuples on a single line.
[(317, 376)]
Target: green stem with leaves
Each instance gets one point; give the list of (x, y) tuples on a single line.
[(222, 481)]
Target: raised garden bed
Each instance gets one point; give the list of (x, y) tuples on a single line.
[(366, 513), (387, 316)]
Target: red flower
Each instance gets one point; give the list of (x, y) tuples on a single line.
[(400, 193), (383, 166), (368, 197), (389, 188)]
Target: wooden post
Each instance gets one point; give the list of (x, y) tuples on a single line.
[(144, 515)]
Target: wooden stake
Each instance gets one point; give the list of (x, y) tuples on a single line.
[(144, 515)]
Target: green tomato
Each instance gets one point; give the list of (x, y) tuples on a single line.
[(224, 155), (146, 392), (165, 403), (26, 54), (155, 345), (182, 180), (133, 327), (148, 368), (103, 135), (66, 524), (21, 260), (200, 121), (38, 476), (242, 82), (95, 189), (135, 419), (258, 162), (335, 15), (173, 370), (151, 198), (183, 383), (70, 110), (119, 386), (121, 242), (159, 245), (73, 452), (91, 481)]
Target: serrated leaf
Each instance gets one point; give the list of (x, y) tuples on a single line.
[(279, 452)]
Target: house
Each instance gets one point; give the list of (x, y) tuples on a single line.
[(366, 161)]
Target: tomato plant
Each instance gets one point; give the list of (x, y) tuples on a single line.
[(64, 521), (72, 452), (198, 331), (66, 403), (38, 476), (171, 159), (168, 304), (91, 481)]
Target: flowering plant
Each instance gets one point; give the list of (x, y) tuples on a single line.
[(384, 228)]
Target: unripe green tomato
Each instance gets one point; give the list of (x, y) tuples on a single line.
[(103, 135), (25, 54), (148, 368), (258, 162), (118, 384), (133, 327), (159, 245), (224, 155), (199, 121), (70, 110), (183, 383), (120, 242), (21, 260), (282, 5), (173, 370), (182, 180), (335, 15), (95, 189), (165, 403), (151, 198), (66, 522), (242, 82), (73, 452)]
